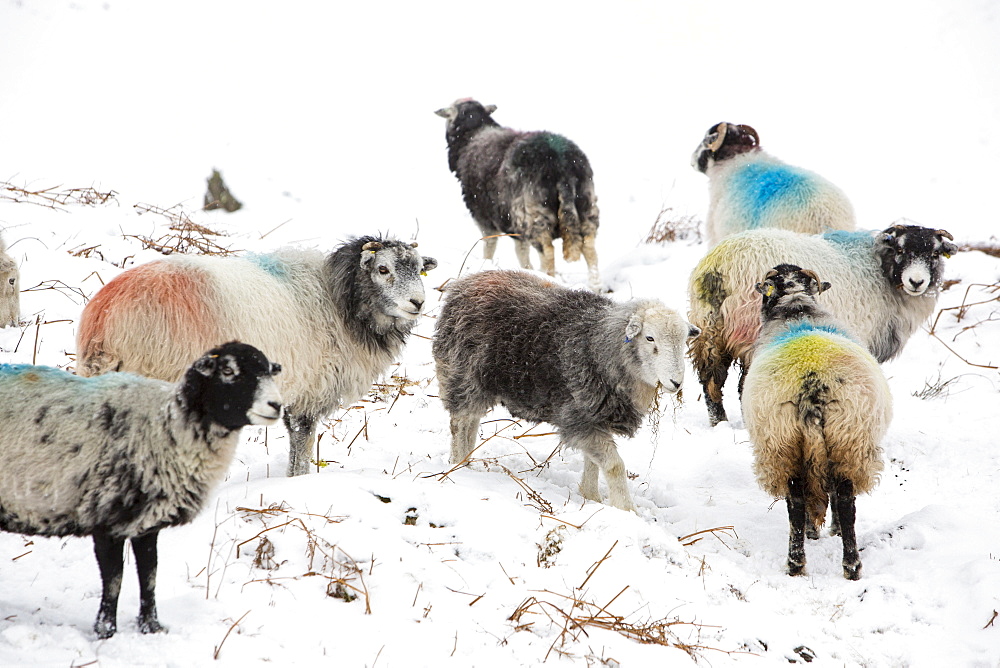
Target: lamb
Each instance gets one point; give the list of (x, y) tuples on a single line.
[(10, 289), (893, 278), (536, 186), (751, 189), (571, 358), (336, 321), (122, 456), (816, 405)]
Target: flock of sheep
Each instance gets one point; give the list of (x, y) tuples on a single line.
[(806, 305)]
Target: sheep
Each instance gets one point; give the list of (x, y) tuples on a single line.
[(816, 406), (336, 321), (571, 358), (536, 186), (122, 456), (891, 280), (10, 289), (751, 189)]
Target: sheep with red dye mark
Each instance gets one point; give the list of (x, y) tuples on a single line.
[(817, 406), (751, 189), (535, 186), (336, 321), (10, 289), (120, 457), (577, 360)]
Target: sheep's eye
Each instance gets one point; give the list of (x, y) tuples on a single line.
[(649, 338), (382, 269), (11, 281)]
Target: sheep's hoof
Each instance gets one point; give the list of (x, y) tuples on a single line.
[(150, 625), (796, 569), (104, 629), (852, 571), (812, 533)]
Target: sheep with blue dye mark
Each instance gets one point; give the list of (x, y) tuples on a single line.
[(120, 457), (10, 289), (751, 189), (536, 186), (816, 406), (888, 280), (577, 360), (336, 321)]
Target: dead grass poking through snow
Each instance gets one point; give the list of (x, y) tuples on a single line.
[(184, 236), (57, 197), (670, 227), (981, 310)]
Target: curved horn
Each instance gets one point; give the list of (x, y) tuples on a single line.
[(812, 274), (413, 244), (372, 246), (771, 274), (753, 133), (944, 233), (720, 137)]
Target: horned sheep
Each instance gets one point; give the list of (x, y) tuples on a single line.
[(335, 321), (750, 189), (816, 406), (890, 283), (535, 186), (122, 456), (10, 289), (574, 359)]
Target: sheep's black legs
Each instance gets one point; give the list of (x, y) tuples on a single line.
[(796, 501), (144, 548), (845, 512), (109, 552), (712, 374), (301, 435)]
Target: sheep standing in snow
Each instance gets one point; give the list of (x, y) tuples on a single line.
[(335, 321), (10, 289), (121, 456), (750, 189), (535, 185), (889, 283), (816, 405), (571, 358)]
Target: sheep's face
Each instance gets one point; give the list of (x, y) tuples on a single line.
[(467, 114), (233, 386), (722, 142), (395, 269), (790, 288), (9, 277), (660, 337), (913, 257)]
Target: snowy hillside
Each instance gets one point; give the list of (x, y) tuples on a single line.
[(320, 118)]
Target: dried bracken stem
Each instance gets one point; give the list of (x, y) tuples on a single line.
[(961, 311), (218, 649), (55, 197), (669, 227), (186, 235), (687, 542)]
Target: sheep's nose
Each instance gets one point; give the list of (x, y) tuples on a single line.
[(916, 283), (674, 385), (276, 405), (417, 303)]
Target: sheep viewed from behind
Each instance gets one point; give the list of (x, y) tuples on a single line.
[(816, 406), (121, 456), (890, 283), (751, 189), (336, 321), (536, 186), (576, 360), (10, 289)]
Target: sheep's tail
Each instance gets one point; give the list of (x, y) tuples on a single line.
[(815, 460), (569, 221)]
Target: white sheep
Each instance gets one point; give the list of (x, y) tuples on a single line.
[(121, 456), (888, 285), (577, 360), (816, 406), (751, 189), (335, 321), (10, 289), (535, 186)]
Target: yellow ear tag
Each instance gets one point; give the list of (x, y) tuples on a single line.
[(946, 255), (770, 291), (423, 273)]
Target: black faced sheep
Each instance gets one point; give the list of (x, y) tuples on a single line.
[(751, 189), (10, 289), (888, 286), (335, 321), (121, 456), (535, 185), (816, 405), (571, 358)]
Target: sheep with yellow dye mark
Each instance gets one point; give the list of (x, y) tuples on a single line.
[(816, 405)]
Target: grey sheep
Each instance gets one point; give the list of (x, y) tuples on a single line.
[(816, 406), (336, 321), (751, 189), (890, 282), (10, 289), (576, 360), (121, 456), (536, 186)]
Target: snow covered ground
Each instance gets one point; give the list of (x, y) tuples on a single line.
[(320, 118)]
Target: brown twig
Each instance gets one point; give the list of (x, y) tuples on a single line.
[(218, 649)]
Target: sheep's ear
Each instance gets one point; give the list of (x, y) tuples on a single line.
[(490, 108), (206, 365), (948, 249), (633, 327), (446, 112), (693, 331), (824, 286), (765, 288), (429, 263)]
